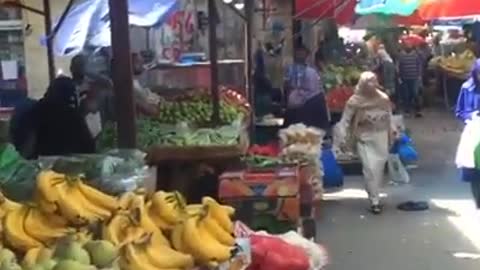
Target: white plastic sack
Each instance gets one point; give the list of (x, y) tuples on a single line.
[(469, 140), (396, 170)]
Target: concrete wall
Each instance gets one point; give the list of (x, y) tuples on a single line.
[(35, 54)]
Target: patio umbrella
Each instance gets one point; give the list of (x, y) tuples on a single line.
[(343, 11), (448, 9), (396, 7)]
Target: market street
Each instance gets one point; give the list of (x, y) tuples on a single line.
[(445, 237)]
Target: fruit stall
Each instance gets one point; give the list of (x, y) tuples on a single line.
[(452, 71), (181, 139), (89, 212)]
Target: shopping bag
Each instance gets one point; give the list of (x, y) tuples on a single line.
[(407, 153), (465, 157), (333, 174), (477, 157), (396, 170)]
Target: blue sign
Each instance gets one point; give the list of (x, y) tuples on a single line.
[(390, 7)]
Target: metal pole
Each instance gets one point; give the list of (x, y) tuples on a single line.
[(250, 91), (212, 45), (48, 32), (122, 74)]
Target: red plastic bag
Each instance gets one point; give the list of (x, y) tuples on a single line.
[(272, 253)]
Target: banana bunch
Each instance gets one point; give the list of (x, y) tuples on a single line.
[(28, 227), (150, 254), (206, 233), (166, 209), (77, 202)]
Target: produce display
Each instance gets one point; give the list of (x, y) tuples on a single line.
[(70, 225), (333, 75), (303, 145), (456, 64), (196, 107), (337, 98), (152, 132)]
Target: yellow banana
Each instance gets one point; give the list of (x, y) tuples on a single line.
[(114, 228), (202, 245), (132, 260), (46, 180), (176, 237), (220, 213), (97, 197), (95, 211), (71, 209), (14, 230), (140, 214), (163, 256), (221, 235), (152, 213), (167, 206), (132, 234), (31, 257), (43, 228), (7, 205), (46, 206)]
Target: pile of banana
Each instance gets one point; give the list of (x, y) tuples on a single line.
[(199, 234), (135, 231)]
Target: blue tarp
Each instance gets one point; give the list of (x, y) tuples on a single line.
[(88, 22)]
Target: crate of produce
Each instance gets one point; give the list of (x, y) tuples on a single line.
[(264, 199)]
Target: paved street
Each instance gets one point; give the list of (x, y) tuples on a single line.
[(446, 237)]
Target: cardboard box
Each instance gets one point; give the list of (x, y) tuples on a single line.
[(265, 199)]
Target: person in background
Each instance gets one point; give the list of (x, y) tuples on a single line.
[(304, 93), (366, 126), (410, 73), (56, 125), (468, 106), (145, 100), (388, 72)]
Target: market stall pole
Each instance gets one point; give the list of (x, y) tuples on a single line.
[(212, 46), (48, 32), (250, 91), (122, 74)]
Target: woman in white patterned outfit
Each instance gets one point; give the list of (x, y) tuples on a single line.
[(366, 127)]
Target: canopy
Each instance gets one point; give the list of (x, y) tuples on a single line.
[(88, 22), (343, 11), (448, 9), (398, 7)]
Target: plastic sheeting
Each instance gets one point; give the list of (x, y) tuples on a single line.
[(88, 22)]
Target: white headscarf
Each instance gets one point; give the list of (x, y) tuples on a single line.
[(365, 96)]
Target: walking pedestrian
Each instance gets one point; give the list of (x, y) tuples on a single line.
[(468, 106), (410, 74), (366, 127)]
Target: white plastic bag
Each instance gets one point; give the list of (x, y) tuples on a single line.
[(396, 170), (469, 140)]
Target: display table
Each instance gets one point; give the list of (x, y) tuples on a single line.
[(451, 84)]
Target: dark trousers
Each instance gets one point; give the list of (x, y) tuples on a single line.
[(409, 94), (476, 192)]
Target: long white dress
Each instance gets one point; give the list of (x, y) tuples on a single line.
[(369, 128)]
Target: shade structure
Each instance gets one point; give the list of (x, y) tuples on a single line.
[(413, 19), (388, 7), (88, 22), (448, 9), (343, 11)]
